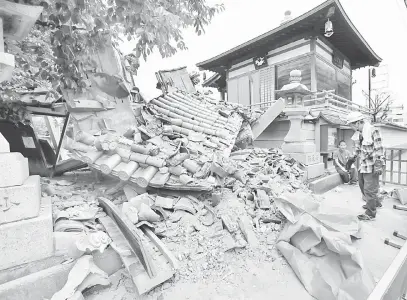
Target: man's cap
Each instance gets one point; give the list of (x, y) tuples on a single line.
[(354, 117)]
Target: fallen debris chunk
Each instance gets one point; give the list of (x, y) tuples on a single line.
[(131, 212), (93, 241), (147, 214), (247, 228), (262, 200), (141, 199), (80, 271), (185, 204), (141, 279), (216, 198), (69, 226), (166, 202), (229, 223), (132, 233)]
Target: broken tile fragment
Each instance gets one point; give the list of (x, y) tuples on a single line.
[(185, 204), (246, 227), (147, 214), (263, 200), (164, 202), (229, 223)]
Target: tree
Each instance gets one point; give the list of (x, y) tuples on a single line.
[(379, 106), (70, 30)]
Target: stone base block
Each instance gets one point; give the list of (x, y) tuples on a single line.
[(20, 271), (315, 170), (298, 147), (14, 169), (37, 286), (4, 145), (306, 158), (325, 183), (7, 64), (28, 240), (20, 202), (402, 193)]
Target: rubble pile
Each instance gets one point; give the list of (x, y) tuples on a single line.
[(181, 182), (175, 145)]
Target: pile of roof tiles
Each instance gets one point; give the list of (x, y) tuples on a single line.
[(178, 144)]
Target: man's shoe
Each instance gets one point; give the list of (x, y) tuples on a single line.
[(365, 217)]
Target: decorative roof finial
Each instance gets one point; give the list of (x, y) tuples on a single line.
[(287, 17), (295, 76)]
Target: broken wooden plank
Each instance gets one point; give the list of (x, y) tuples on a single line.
[(162, 247), (141, 280), (131, 232)]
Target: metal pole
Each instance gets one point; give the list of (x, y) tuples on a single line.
[(370, 89)]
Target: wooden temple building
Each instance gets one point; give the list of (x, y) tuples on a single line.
[(326, 47)]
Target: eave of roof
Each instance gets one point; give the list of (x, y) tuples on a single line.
[(222, 59), (211, 80)]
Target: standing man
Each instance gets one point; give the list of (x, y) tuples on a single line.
[(344, 165), (369, 148)]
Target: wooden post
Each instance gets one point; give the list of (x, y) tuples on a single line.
[(1, 36), (313, 65), (399, 167), (68, 116), (318, 136), (53, 131), (391, 165)]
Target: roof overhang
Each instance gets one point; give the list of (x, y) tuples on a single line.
[(215, 81), (346, 39)]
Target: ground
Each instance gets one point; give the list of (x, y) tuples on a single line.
[(378, 256), (252, 277)]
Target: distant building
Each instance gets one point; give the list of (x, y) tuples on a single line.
[(397, 115)]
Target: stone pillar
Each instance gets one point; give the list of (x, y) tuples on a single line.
[(26, 229), (296, 146), (295, 143)]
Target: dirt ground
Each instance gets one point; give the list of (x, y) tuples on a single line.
[(378, 256), (247, 275)]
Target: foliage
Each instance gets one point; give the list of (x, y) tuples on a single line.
[(59, 49), (379, 106), (35, 65)]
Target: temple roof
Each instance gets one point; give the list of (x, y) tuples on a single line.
[(346, 39)]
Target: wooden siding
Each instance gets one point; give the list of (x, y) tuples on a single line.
[(276, 56), (233, 93), (323, 46), (267, 84), (255, 87), (326, 76), (303, 64), (331, 78), (244, 90)]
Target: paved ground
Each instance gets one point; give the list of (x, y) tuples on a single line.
[(378, 256)]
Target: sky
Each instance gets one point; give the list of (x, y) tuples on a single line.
[(383, 23)]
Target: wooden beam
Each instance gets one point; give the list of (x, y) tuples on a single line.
[(318, 136), (44, 111), (53, 131), (60, 143)]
